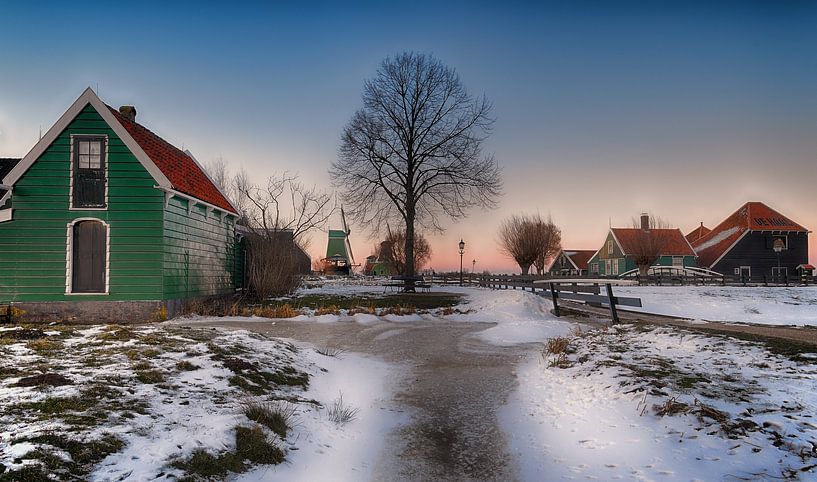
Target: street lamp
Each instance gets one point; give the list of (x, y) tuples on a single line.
[(473, 265), (462, 251), (778, 247)]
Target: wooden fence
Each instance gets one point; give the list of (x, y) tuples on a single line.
[(524, 281), (583, 290)]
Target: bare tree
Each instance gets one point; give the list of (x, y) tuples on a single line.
[(276, 218), (649, 241), (548, 239), (517, 239), (413, 152), (396, 252)]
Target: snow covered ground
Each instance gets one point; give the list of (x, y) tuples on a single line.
[(736, 412), (762, 305), (150, 396)]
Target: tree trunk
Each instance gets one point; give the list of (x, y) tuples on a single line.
[(525, 269), (642, 269), (409, 248)]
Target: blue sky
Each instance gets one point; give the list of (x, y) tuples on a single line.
[(686, 110)]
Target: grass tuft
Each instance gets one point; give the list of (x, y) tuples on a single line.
[(186, 366), (330, 350), (276, 416), (340, 412)]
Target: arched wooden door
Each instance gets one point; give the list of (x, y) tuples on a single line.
[(89, 253)]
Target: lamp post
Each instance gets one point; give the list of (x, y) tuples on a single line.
[(777, 247), (473, 266), (462, 251)]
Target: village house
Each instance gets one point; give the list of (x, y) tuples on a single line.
[(617, 254), (105, 221), (571, 262), (755, 240)]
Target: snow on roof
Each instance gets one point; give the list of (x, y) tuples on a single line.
[(752, 216)]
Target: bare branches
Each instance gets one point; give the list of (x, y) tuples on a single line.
[(649, 242), (530, 241), (413, 152), (395, 252)]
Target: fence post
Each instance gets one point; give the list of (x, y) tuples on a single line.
[(554, 296), (613, 312)]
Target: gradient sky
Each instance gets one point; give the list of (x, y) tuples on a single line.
[(686, 110)]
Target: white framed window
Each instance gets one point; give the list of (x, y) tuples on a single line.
[(89, 173), (610, 247), (678, 261), (615, 266)]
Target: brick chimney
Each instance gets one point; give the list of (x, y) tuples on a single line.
[(128, 112), (645, 221)]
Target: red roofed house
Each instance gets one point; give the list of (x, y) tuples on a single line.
[(744, 244), (104, 220), (698, 233), (570, 262), (622, 245)]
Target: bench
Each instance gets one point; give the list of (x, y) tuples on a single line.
[(400, 283)]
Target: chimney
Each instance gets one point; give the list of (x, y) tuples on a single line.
[(128, 112), (645, 221)]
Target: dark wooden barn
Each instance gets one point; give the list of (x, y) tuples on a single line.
[(745, 242)]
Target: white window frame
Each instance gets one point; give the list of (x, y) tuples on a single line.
[(69, 258), (740, 270), (680, 261), (610, 246), (71, 173)]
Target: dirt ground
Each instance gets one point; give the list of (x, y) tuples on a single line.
[(457, 384)]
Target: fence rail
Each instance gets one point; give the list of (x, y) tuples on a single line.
[(523, 281)]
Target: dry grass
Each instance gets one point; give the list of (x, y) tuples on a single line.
[(670, 407), (283, 311), (327, 310), (557, 345), (277, 416), (340, 412), (44, 345), (330, 350)]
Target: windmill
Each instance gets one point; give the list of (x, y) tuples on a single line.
[(339, 258)]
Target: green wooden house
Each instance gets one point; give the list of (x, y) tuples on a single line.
[(105, 221), (616, 256)]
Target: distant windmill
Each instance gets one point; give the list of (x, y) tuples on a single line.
[(339, 258)]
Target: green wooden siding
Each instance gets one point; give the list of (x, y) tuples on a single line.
[(199, 251), (33, 245)]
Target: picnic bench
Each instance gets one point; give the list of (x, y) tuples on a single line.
[(400, 283)]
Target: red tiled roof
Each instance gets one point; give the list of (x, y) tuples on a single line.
[(179, 168), (674, 242), (698, 233), (580, 257), (752, 216)]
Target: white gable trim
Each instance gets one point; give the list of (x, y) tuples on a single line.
[(618, 243), (87, 97)]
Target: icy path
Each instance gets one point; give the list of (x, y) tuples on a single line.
[(456, 387)]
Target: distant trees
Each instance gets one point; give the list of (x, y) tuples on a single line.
[(530, 241), (396, 252), (413, 152), (277, 216), (649, 241)]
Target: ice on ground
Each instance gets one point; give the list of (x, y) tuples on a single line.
[(761, 305)]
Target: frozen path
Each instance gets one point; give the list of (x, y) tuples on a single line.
[(457, 386)]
